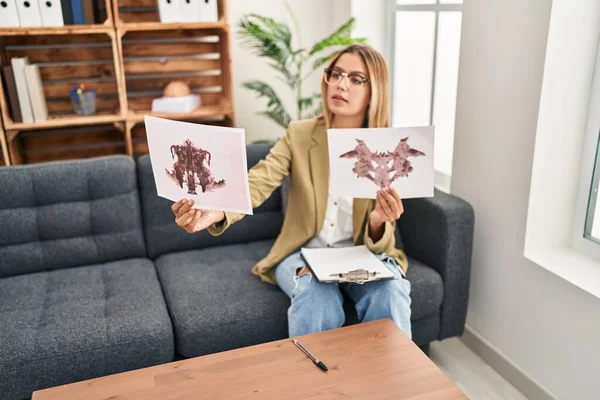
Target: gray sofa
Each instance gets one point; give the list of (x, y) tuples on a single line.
[(96, 278)]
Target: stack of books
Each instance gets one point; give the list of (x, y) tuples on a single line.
[(188, 10), (24, 91), (34, 13)]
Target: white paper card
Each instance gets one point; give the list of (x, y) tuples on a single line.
[(361, 161), (201, 162), (325, 263)]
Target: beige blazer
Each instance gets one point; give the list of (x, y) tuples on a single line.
[(304, 153)]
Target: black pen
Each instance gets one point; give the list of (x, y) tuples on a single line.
[(317, 362)]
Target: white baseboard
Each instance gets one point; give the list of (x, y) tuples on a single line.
[(442, 181), (512, 373)]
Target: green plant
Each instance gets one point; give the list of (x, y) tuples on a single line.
[(273, 40)]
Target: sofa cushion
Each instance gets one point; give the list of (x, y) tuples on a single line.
[(78, 323), (65, 214), (164, 236), (427, 289), (215, 302)]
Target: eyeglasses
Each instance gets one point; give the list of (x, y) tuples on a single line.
[(333, 77)]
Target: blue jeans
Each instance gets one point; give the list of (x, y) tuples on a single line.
[(318, 306)]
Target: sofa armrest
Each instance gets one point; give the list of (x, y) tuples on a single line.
[(438, 231)]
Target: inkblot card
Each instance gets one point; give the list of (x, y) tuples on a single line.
[(362, 161), (205, 163)]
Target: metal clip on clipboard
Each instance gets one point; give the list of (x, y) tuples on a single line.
[(359, 276)]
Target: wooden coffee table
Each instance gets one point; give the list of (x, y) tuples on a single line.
[(372, 360)]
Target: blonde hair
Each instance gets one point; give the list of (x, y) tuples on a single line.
[(378, 111)]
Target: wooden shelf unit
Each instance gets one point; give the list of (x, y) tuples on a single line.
[(62, 30), (129, 59), (160, 26), (4, 158)]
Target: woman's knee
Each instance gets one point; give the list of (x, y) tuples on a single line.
[(307, 285), (392, 294), (318, 304)]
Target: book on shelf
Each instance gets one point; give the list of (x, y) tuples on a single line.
[(100, 11), (29, 13), (208, 11), (169, 10), (188, 11), (77, 12), (88, 11), (12, 99), (67, 12), (36, 92), (51, 13), (18, 68), (9, 17)]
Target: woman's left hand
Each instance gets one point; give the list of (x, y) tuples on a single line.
[(388, 206)]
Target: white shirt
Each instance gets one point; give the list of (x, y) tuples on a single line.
[(337, 229)]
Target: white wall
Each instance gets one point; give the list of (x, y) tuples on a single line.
[(372, 23), (547, 327), (316, 18)]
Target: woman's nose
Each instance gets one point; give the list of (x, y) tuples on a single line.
[(343, 84)]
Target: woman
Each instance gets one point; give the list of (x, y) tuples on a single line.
[(355, 94)]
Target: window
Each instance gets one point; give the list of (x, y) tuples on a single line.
[(566, 143), (426, 46), (592, 223), (588, 235)]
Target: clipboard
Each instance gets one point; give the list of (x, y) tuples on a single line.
[(354, 264)]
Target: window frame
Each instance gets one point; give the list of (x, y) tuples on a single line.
[(589, 173), (442, 180)]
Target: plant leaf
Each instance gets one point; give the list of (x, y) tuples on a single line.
[(307, 102), (276, 111), (341, 36), (323, 60), (290, 78), (279, 116), (263, 90), (267, 38)]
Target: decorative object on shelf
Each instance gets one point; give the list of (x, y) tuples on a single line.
[(177, 89), (83, 100), (273, 40), (177, 98)]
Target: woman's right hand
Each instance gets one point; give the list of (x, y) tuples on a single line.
[(194, 220)]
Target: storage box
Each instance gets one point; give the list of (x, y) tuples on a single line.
[(176, 104)]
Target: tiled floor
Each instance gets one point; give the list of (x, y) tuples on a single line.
[(470, 373)]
